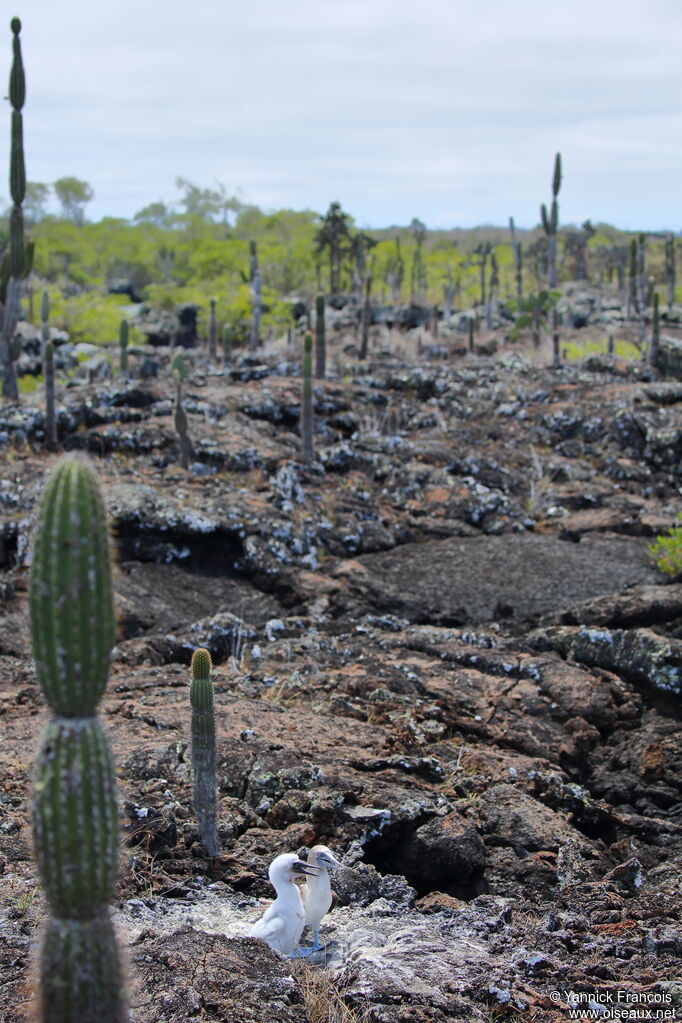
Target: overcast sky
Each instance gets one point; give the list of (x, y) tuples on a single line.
[(442, 109)]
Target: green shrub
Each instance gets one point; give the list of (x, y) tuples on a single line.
[(666, 551)]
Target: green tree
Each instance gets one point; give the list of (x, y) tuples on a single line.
[(73, 194), (35, 201)]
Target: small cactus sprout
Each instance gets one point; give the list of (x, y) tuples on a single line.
[(307, 398), (179, 370), (212, 332), (75, 829), (320, 340), (123, 347), (203, 749), (48, 374)]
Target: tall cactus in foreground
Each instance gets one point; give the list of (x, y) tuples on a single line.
[(550, 222), (75, 829), (307, 398), (18, 258), (203, 749), (320, 339)]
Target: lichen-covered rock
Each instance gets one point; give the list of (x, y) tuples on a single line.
[(640, 655)]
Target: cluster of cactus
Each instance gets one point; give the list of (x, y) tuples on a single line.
[(203, 749), (17, 260), (179, 371), (255, 297), (670, 268), (123, 348), (307, 398), (212, 332), (48, 374), (75, 827), (320, 339), (550, 222)]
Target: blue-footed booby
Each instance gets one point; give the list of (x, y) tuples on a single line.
[(316, 891), (282, 923)]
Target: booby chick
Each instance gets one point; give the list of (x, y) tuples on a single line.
[(316, 891), (282, 923)]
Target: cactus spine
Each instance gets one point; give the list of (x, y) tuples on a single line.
[(320, 339), (179, 371), (123, 348), (550, 223), (203, 749), (75, 829), (18, 259), (255, 297), (212, 332), (307, 398), (48, 373)]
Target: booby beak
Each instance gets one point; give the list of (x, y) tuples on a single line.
[(328, 861), (299, 867)]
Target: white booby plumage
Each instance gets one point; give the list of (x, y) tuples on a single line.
[(281, 925), (316, 892)]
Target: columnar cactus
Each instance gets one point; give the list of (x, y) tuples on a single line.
[(641, 289), (320, 339), (255, 297), (655, 332), (48, 374), (632, 279), (518, 259), (75, 829), (226, 341), (212, 332), (203, 749), (670, 269), (307, 398), (123, 348), (18, 259), (179, 371), (550, 222)]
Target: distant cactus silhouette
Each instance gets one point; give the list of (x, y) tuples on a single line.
[(212, 332), (550, 223), (179, 370), (655, 332), (320, 339), (48, 374), (123, 347), (670, 268), (255, 297), (203, 749), (75, 829), (307, 398)]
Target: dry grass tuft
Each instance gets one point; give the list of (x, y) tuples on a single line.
[(323, 1000)]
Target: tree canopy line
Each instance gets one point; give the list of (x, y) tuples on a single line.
[(198, 247)]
